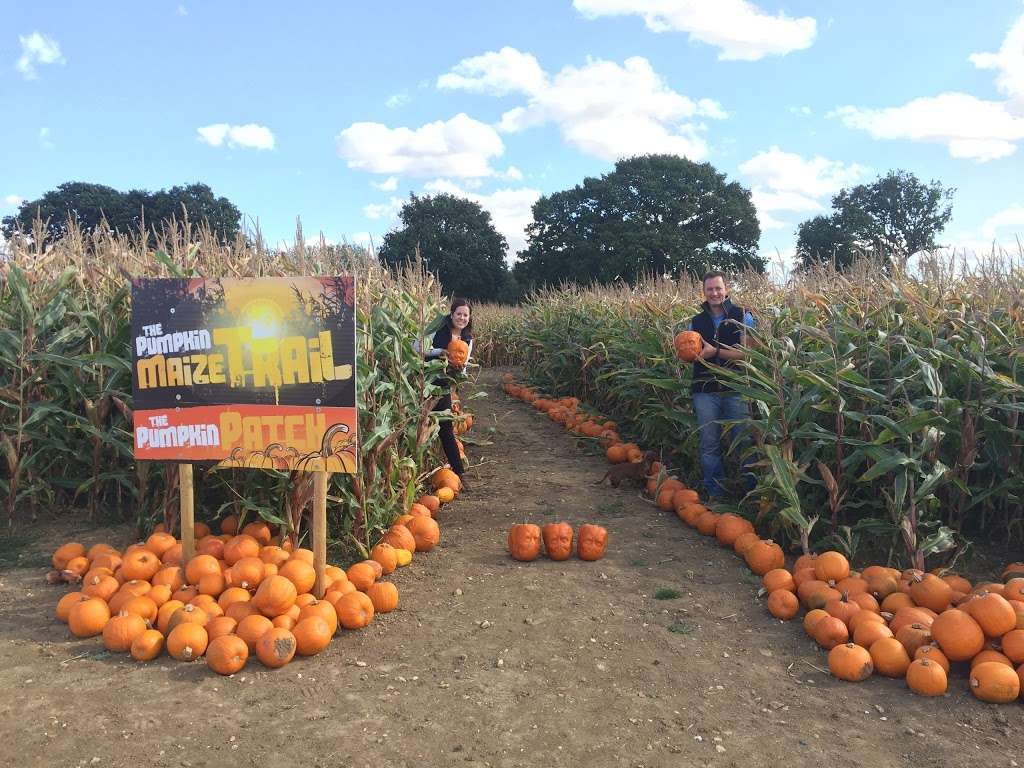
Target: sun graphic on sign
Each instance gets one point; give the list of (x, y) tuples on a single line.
[(264, 317)]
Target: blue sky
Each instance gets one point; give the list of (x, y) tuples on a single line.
[(334, 112)]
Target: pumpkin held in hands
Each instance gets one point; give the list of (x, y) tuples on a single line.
[(688, 345), (458, 353)]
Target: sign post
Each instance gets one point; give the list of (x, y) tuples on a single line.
[(248, 373)]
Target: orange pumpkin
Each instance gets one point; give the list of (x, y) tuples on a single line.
[(312, 635), (995, 682), (591, 542), (458, 353), (355, 610), (783, 604), (120, 631), (425, 531), (276, 647), (252, 628), (275, 595), (88, 617), (558, 540), (384, 596), (187, 641), (764, 556), (958, 635), (386, 555), (524, 541), (926, 677), (890, 657), (850, 662), (65, 553), (227, 654), (688, 345), (147, 646)]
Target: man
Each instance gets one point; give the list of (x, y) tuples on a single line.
[(723, 326)]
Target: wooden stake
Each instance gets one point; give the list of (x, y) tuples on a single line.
[(186, 512), (320, 532)]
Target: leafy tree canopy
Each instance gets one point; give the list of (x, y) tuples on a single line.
[(893, 217), (457, 242), (125, 212), (654, 214)]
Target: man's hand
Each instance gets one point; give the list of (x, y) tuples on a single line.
[(709, 351)]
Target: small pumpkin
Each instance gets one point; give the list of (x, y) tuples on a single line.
[(994, 614), (524, 541), (121, 630), (558, 540), (591, 542), (783, 604), (764, 556), (361, 575), (926, 677), (88, 617), (850, 662), (275, 595), (65, 553), (355, 610), (252, 628), (312, 634), (831, 567), (386, 555), (995, 682), (958, 635), (384, 596), (187, 641), (227, 654), (276, 647), (778, 578), (830, 632), (890, 657), (147, 646), (933, 654), (929, 591), (425, 531)]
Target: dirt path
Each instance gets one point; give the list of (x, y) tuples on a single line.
[(489, 662)]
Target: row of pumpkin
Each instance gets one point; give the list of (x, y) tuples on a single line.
[(244, 592), (909, 624)]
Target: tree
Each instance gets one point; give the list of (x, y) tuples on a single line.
[(90, 204), (457, 241), (891, 218), (653, 214)]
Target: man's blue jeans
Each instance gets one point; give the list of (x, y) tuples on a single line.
[(712, 408)]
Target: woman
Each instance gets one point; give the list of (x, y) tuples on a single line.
[(458, 324)]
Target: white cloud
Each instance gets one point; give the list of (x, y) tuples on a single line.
[(786, 181), (970, 127), (603, 108), (738, 28), (497, 73), (510, 209), (1009, 222), (181, 10), (1008, 62), (396, 100), (249, 136), (36, 49), (390, 184), (44, 138), (13, 201), (388, 210), (512, 174), (802, 111), (460, 147)]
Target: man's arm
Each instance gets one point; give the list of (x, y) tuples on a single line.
[(730, 353)]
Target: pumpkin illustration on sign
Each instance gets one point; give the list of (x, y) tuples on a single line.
[(688, 345), (458, 353)]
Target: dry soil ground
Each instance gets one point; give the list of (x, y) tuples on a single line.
[(490, 662)]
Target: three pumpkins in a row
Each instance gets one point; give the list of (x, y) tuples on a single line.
[(524, 541)]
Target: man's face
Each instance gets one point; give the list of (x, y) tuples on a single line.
[(715, 291)]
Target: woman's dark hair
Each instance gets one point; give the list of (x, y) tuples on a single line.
[(456, 303)]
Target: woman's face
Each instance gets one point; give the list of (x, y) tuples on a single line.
[(460, 317)]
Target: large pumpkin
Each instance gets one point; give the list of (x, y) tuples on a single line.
[(591, 542), (524, 541), (688, 345)]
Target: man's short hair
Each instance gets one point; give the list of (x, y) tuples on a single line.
[(712, 275)]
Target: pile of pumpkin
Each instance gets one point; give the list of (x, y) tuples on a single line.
[(244, 592), (905, 624)]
